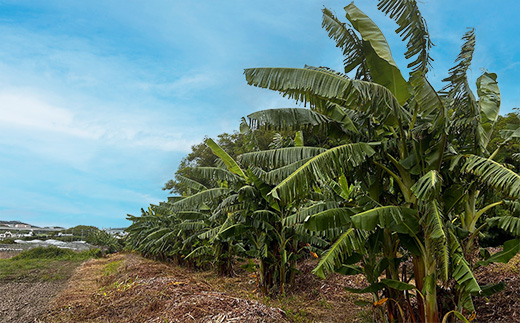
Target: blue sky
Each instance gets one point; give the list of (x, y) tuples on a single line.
[(100, 100)]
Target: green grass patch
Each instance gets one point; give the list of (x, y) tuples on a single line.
[(111, 268), (8, 241), (43, 264)]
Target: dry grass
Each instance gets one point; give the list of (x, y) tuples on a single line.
[(311, 300), (129, 288), (141, 290)]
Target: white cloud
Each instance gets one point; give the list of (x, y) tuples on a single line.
[(36, 117), (20, 109)]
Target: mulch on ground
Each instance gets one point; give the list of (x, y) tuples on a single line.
[(146, 291), (503, 306), (129, 288)]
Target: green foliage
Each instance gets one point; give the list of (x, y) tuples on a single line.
[(84, 231), (44, 264), (509, 147), (416, 160), (53, 252), (8, 241), (46, 253), (106, 241), (111, 268)]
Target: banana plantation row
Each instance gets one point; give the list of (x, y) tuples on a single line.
[(380, 176)]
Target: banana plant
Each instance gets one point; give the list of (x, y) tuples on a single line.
[(258, 220), (410, 147)]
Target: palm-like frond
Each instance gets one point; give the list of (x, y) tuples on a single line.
[(513, 206), (489, 104), (381, 64), (511, 248), (463, 104), (493, 174), (509, 223), (428, 186), (412, 27), (197, 200), (190, 215), (294, 118), (426, 97), (344, 246), (192, 184), (458, 74), (192, 225), (276, 158), (200, 251), (349, 42), (433, 221), (214, 173), (339, 114), (312, 84), (399, 219), (329, 164), (221, 229), (329, 219), (464, 275), (275, 176), (230, 163), (305, 236), (304, 213)]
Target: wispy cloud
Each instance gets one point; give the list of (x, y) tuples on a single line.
[(31, 115)]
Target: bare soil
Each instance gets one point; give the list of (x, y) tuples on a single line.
[(26, 298), (23, 302)]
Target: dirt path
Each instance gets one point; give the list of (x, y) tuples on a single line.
[(25, 298), (24, 302)]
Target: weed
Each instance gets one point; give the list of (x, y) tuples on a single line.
[(56, 253), (324, 303), (111, 268), (296, 316), (366, 315)]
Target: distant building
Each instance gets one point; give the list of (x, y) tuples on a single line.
[(117, 232), (22, 225), (55, 228)]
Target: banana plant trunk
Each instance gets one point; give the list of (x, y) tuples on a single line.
[(431, 310), (418, 271)]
